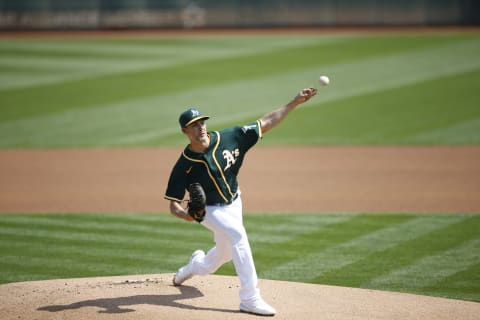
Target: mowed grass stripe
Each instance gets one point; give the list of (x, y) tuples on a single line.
[(135, 255), (414, 114), (47, 246), (30, 267), (439, 250), (255, 63), (77, 126), (460, 285), (102, 230), (193, 47), (152, 255), (441, 266), (69, 61), (405, 67), (93, 219), (282, 259), (14, 273), (361, 247), (93, 245), (129, 228), (132, 81), (93, 58), (72, 264), (67, 234), (273, 243), (287, 227), (307, 268), (393, 70), (98, 237), (380, 263), (93, 228), (92, 235)]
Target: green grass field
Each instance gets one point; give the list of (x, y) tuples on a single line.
[(386, 89), (435, 255)]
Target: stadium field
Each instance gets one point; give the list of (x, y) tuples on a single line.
[(387, 89)]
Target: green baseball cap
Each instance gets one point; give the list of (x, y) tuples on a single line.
[(190, 116)]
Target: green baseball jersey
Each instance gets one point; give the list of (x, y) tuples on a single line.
[(216, 169)]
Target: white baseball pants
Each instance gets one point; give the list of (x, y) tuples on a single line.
[(231, 243)]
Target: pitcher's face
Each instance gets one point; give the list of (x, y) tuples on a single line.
[(197, 131)]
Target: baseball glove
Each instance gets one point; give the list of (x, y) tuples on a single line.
[(197, 202)]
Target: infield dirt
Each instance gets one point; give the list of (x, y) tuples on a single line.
[(272, 179)]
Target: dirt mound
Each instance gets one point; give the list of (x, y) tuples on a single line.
[(212, 297)]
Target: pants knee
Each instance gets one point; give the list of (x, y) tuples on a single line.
[(237, 235)]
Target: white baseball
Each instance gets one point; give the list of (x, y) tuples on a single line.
[(324, 80)]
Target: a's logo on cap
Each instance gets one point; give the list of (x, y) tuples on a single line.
[(195, 113), (189, 116)]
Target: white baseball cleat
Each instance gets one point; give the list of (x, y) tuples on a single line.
[(185, 272), (258, 307)]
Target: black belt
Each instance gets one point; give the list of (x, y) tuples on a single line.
[(222, 204)]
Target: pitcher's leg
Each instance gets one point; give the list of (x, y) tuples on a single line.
[(231, 244), (245, 268), (227, 224), (215, 220), (214, 259)]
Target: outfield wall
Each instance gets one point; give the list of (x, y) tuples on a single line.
[(119, 14)]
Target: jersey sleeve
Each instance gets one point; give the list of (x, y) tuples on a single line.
[(249, 134), (176, 183)]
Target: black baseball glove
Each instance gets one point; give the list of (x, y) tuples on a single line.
[(197, 202)]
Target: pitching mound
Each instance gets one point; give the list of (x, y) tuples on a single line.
[(210, 298)]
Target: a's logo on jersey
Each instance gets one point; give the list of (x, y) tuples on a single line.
[(230, 157)]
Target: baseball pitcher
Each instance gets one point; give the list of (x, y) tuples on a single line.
[(208, 169)]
